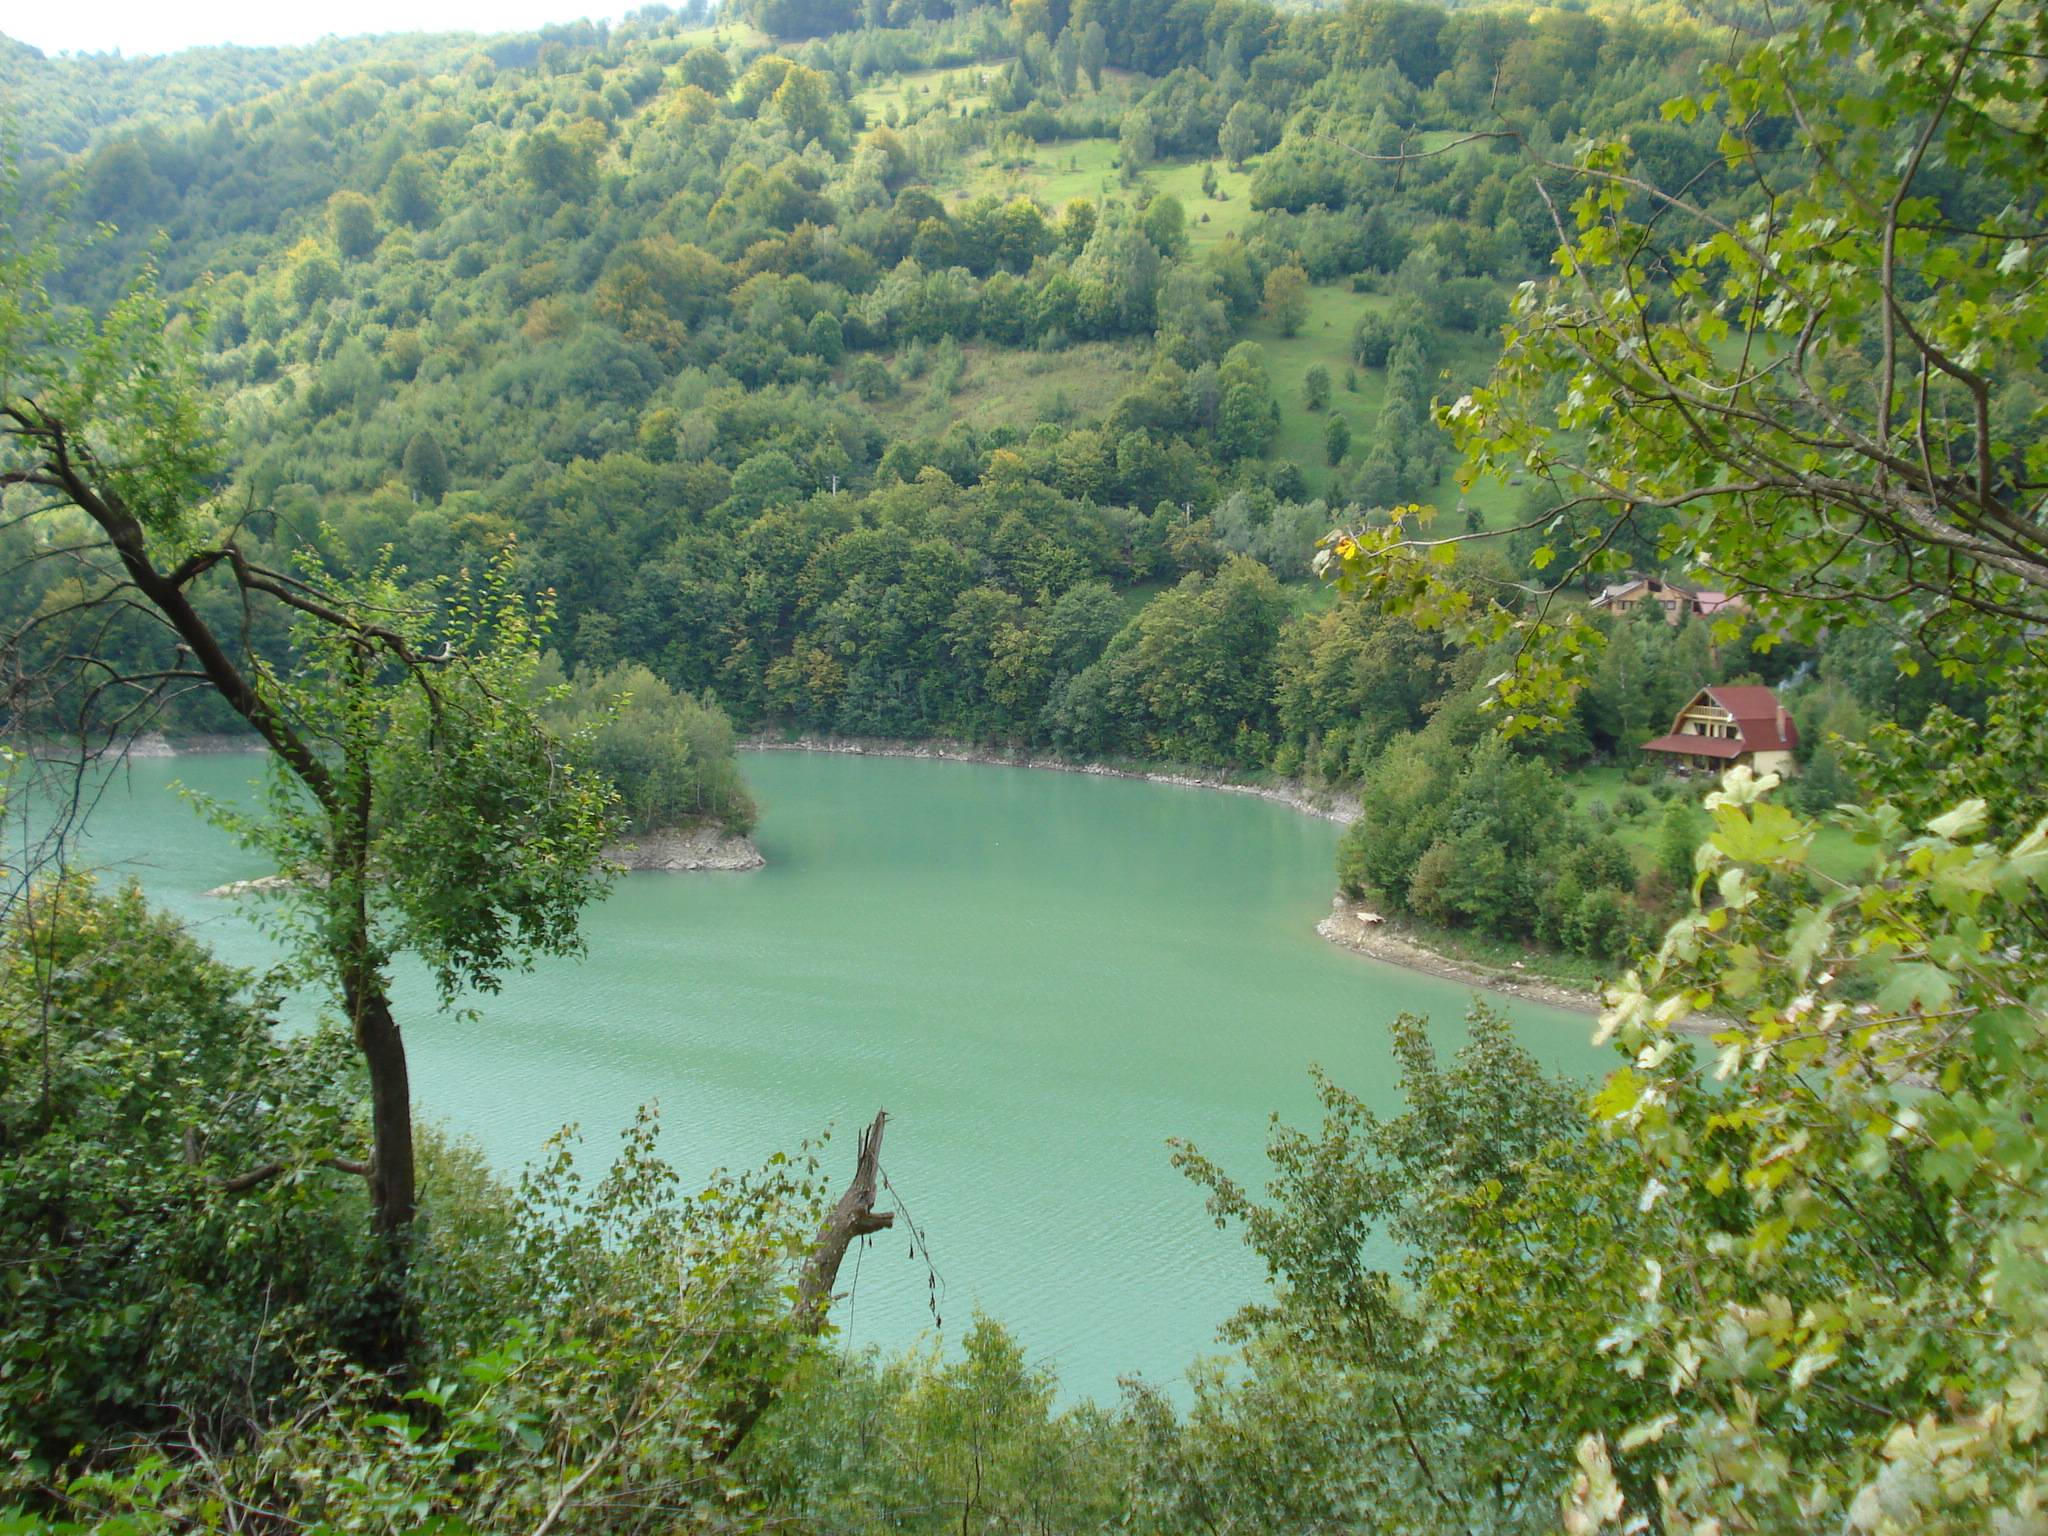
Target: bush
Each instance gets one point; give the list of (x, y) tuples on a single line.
[(1353, 861), (149, 1269), (1677, 834), (668, 755), (1603, 927), (1372, 339), (1315, 388)]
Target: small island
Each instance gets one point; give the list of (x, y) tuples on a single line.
[(682, 804)]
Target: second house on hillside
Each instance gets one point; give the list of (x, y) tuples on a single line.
[(1725, 726), (1679, 603)]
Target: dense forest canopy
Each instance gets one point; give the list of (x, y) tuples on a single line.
[(477, 410)]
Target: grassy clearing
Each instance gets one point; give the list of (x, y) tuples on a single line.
[(1054, 174), (1641, 833), (1499, 503), (1435, 140), (1057, 173), (741, 34), (1009, 387), (1835, 853), (1325, 339), (1305, 597), (1229, 215), (955, 92)]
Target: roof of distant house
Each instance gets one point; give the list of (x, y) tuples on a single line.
[(1638, 584), (1766, 725), (1698, 746), (1700, 602)]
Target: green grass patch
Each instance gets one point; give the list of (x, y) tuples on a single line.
[(1057, 173), (928, 92), (1436, 140), (1005, 386), (1306, 597), (1134, 597), (1835, 853), (1229, 214), (1325, 339), (1053, 174), (744, 34)]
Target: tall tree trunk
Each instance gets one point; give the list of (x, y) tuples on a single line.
[(393, 1190), (346, 803), (388, 1316), (394, 1198)]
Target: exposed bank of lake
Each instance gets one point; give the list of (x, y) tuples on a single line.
[(680, 850)]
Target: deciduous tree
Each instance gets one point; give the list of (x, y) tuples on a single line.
[(416, 803)]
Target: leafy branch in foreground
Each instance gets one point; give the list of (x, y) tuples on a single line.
[(1847, 1313), (1823, 394)]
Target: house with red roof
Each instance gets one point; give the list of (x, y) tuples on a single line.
[(1725, 726)]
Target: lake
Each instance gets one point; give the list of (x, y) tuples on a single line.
[(1042, 976)]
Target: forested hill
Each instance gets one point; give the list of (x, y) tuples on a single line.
[(69, 103), (864, 380)]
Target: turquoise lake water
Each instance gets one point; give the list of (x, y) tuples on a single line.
[(1042, 976)]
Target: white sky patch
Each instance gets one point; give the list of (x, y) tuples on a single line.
[(163, 26)]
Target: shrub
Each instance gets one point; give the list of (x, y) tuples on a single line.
[(151, 1266), (1315, 388), (669, 755)]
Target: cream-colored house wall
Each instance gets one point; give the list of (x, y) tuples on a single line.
[(1779, 763)]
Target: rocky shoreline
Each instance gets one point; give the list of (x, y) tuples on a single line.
[(1349, 928), (156, 744), (679, 850)]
